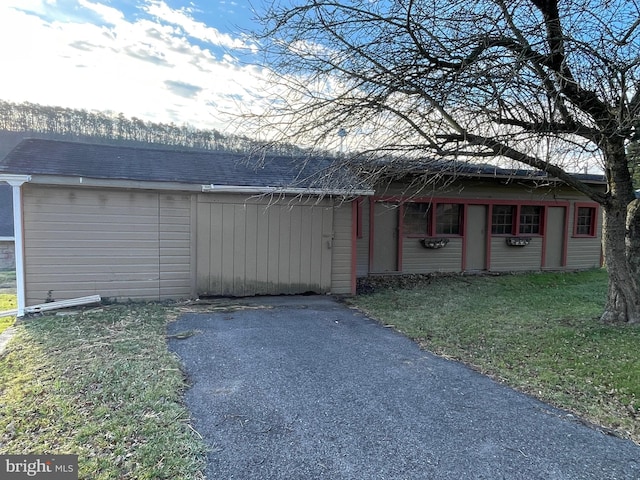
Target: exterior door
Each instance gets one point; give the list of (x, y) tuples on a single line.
[(554, 238), (476, 238), (385, 238)]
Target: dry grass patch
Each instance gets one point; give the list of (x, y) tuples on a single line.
[(7, 302), (101, 385)]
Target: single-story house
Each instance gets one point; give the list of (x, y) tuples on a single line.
[(7, 249), (144, 223), (474, 218)]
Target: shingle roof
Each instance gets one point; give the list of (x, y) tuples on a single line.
[(51, 157), (6, 210), (434, 166), (74, 159)]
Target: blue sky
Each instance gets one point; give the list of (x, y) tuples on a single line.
[(162, 60)]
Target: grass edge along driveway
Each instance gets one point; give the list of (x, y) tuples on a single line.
[(539, 333), (101, 385)]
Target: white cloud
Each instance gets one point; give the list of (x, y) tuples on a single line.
[(194, 28), (108, 14), (148, 68)]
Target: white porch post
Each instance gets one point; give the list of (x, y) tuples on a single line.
[(16, 182)]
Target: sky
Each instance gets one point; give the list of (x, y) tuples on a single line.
[(186, 62)]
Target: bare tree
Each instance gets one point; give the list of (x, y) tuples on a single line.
[(546, 83)]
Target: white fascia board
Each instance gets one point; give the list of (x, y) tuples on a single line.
[(282, 190), (14, 180), (59, 180)]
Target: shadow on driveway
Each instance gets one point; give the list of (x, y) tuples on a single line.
[(307, 388)]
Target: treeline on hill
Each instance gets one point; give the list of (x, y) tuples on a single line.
[(104, 127)]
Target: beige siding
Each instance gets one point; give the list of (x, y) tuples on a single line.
[(505, 258), (490, 189), (584, 253), (580, 252), (83, 242), (252, 246), (114, 243), (175, 246), (417, 259), (362, 244), (341, 250)]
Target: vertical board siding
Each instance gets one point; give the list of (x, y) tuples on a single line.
[(253, 247), (341, 247), (325, 246), (555, 235), (362, 244), (84, 241), (175, 246)]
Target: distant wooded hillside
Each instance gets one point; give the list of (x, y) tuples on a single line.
[(34, 120)]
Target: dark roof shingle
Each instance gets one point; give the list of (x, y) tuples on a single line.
[(50, 157)]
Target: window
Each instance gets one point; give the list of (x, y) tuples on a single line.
[(530, 219), (448, 217), (419, 219), (416, 218), (502, 219), (513, 219), (585, 221)]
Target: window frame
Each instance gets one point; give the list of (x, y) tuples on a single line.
[(427, 219), (540, 223), (593, 227), (431, 220), (446, 218), (513, 214), (516, 219)]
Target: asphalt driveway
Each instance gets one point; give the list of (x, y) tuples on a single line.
[(307, 388)]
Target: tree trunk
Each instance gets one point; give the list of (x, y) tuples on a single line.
[(623, 296), (621, 240)]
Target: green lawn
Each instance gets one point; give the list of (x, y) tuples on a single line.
[(539, 333), (7, 297), (7, 302), (102, 385)]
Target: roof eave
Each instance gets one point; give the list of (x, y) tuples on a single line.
[(262, 190), (17, 179), (64, 180)]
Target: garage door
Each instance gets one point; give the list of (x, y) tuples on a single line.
[(254, 247)]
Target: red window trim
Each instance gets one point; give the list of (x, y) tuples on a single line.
[(466, 202), (489, 202), (431, 227), (358, 211), (594, 220), (516, 217)]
